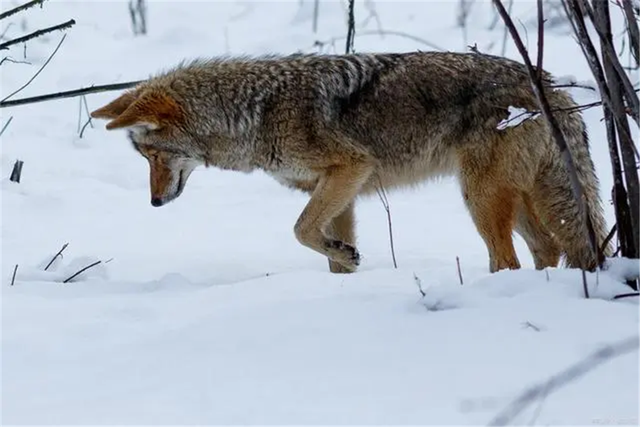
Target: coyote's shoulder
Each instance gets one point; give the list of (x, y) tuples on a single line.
[(339, 126)]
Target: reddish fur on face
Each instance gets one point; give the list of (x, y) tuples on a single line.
[(160, 174)]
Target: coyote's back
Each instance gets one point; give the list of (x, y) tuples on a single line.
[(339, 126)]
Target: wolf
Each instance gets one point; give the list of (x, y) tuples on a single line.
[(339, 127)]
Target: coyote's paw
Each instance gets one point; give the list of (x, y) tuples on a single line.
[(344, 254)]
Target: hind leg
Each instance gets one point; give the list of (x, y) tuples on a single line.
[(342, 228), (540, 242), (493, 209)]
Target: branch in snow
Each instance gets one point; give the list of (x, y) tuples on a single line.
[(59, 254), (560, 380), (82, 270), (16, 172), (13, 277)]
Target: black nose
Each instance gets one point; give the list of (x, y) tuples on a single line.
[(156, 201)]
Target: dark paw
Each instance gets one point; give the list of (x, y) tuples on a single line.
[(348, 253)]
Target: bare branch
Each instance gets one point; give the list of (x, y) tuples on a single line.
[(629, 295), (6, 125), (540, 39), (383, 33), (13, 277), (63, 26), (418, 282), (82, 270), (385, 202), (459, 270), (563, 378), (16, 172), (59, 254), (70, 94), (18, 9), (351, 30), (37, 73), (13, 61)]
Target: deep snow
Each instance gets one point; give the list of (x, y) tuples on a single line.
[(210, 311)]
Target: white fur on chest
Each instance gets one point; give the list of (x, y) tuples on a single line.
[(288, 174)]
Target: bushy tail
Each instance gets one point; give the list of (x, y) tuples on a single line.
[(563, 216)]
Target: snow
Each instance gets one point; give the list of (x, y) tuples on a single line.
[(516, 117), (209, 311)]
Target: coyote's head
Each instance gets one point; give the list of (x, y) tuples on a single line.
[(155, 122)]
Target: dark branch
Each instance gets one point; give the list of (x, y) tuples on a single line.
[(59, 254), (13, 277), (18, 9), (63, 26), (563, 378), (68, 279), (6, 125), (70, 94), (540, 39), (382, 33), (37, 73), (351, 31)]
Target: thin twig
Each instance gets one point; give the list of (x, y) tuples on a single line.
[(86, 109), (89, 121), (63, 26), (570, 110), (385, 202), (629, 295), (540, 39), (459, 270), (69, 94), (37, 73), (555, 383), (6, 125), (382, 33), (13, 61), (418, 282), (13, 277), (59, 254), (81, 271), (18, 9)]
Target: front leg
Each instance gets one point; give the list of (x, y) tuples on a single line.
[(332, 200), (342, 228)]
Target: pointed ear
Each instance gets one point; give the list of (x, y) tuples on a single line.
[(152, 110), (115, 107)]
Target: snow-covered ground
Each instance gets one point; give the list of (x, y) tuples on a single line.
[(210, 311)]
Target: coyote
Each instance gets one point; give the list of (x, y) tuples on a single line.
[(340, 126)]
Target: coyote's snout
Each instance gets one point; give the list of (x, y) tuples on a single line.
[(168, 174), (339, 126)]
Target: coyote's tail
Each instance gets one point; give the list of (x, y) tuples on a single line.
[(565, 220)]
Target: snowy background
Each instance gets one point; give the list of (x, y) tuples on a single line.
[(211, 312)]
